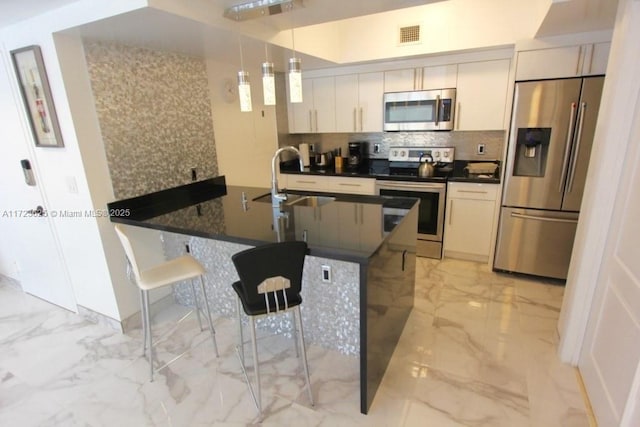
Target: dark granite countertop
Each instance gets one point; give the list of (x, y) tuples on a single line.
[(212, 209)]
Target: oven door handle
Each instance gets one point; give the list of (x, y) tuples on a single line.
[(410, 186)]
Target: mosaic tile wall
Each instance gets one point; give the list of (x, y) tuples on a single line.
[(155, 116)]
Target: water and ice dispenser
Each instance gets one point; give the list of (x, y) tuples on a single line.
[(532, 149)]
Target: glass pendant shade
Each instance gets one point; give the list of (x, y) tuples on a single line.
[(268, 84), (244, 91), (295, 80)]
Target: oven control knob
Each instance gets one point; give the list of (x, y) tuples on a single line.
[(445, 154), (436, 154), (402, 153)]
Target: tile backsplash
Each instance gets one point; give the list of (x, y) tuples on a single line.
[(465, 142)]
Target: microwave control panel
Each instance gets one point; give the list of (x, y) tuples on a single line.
[(412, 154)]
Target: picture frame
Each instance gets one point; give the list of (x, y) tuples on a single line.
[(36, 94)]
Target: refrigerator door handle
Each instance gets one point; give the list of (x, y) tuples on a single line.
[(543, 218), (576, 150), (567, 148)]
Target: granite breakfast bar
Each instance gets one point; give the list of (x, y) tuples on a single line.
[(359, 275)]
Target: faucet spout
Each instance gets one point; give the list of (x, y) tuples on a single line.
[(276, 196)]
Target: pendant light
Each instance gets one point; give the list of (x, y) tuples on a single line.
[(295, 74), (244, 87), (268, 80)]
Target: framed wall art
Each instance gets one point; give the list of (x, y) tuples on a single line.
[(36, 95)]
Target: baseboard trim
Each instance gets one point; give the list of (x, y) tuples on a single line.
[(585, 398)]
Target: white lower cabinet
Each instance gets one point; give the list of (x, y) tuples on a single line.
[(329, 184), (469, 228), (304, 182)]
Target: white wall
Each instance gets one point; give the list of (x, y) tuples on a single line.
[(80, 239), (245, 142)]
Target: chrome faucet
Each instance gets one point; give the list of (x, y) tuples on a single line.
[(276, 196)]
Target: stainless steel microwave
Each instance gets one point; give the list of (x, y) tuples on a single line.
[(419, 110)]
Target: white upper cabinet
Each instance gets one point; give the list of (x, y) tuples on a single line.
[(370, 90), (425, 78), (400, 80), (316, 112), (481, 95), (441, 77), (565, 61), (598, 58), (358, 104)]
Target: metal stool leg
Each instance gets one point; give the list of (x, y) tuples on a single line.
[(294, 332), (240, 336), (145, 295), (206, 304), (143, 318), (196, 305), (256, 365), (298, 317)]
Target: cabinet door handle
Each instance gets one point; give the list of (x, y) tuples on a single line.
[(450, 211), (473, 191), (404, 258), (361, 214), (457, 116), (316, 114), (355, 122), (305, 182), (310, 122), (361, 125), (346, 184)]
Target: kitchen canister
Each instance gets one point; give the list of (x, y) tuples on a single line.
[(304, 152)]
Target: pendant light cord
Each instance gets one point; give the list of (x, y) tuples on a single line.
[(241, 56)]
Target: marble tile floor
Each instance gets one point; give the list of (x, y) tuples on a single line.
[(478, 350)]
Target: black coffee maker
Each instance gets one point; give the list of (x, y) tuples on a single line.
[(358, 156)]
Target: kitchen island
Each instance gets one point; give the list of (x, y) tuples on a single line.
[(359, 277)]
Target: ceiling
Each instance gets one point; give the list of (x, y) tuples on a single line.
[(210, 34)]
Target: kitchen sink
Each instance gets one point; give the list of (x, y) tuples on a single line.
[(298, 200)]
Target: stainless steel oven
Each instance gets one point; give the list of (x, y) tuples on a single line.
[(430, 214)]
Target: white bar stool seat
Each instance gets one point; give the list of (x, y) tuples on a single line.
[(167, 273)]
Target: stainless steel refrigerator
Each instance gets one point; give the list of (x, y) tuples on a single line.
[(550, 140)]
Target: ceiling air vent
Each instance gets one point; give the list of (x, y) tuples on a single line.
[(410, 34)]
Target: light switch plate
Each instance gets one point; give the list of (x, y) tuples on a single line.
[(481, 149)]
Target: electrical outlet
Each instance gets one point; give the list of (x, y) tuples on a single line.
[(376, 148), (481, 149), (194, 174), (312, 148), (326, 273)]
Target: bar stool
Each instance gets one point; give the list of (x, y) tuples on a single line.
[(166, 273), (270, 283)]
